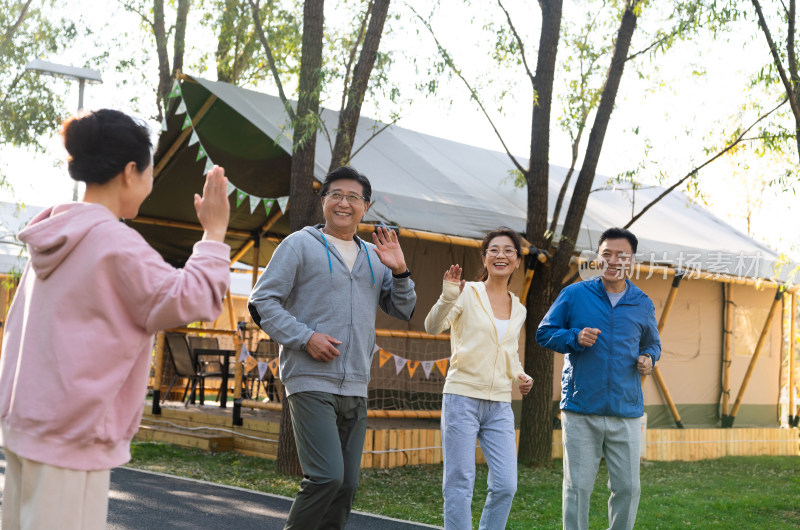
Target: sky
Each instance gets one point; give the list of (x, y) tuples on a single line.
[(693, 94)]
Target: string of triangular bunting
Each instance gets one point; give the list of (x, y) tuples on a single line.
[(241, 196), (410, 365), (251, 363)]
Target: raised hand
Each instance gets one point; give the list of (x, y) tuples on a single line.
[(453, 275), (213, 209), (388, 249)]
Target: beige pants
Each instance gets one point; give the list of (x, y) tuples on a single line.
[(37, 496)]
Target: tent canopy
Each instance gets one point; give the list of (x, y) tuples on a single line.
[(419, 182)]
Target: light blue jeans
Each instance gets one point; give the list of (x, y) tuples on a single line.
[(465, 420)]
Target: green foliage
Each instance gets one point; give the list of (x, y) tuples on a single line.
[(239, 56), (30, 105), (732, 492)]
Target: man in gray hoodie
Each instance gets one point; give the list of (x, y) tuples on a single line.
[(318, 298)]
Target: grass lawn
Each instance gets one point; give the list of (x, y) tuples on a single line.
[(733, 492)]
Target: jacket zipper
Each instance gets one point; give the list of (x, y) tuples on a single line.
[(496, 340), (350, 327)]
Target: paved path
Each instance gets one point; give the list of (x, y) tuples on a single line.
[(143, 500)]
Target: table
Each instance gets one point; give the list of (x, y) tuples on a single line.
[(226, 363)]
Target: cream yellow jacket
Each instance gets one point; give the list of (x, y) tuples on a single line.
[(480, 366)]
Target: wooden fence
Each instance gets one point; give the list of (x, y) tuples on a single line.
[(387, 448)]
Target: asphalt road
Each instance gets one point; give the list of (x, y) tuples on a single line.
[(144, 500)]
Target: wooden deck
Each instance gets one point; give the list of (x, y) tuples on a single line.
[(395, 443)]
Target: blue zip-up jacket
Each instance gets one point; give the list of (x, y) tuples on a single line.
[(601, 379), (307, 287)]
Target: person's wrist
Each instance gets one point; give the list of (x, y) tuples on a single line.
[(214, 235), (401, 272)]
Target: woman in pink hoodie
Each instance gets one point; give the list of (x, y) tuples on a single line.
[(79, 334)]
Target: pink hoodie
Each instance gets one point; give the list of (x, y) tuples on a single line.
[(79, 334)]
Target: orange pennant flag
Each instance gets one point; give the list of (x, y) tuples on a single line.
[(249, 363), (412, 367), (383, 357), (273, 367), (441, 364)]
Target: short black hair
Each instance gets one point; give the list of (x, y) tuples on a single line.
[(101, 143), (619, 233), (347, 172)]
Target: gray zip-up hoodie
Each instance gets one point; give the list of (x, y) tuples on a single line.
[(308, 288)]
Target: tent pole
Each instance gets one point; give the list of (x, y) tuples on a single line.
[(6, 302), (792, 341), (242, 250), (662, 321), (183, 136), (256, 257), (526, 285), (188, 226), (759, 346), (158, 372), (238, 343), (451, 240), (727, 344), (255, 240), (231, 316)]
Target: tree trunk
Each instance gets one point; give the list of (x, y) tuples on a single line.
[(537, 426), (348, 118), (583, 186), (227, 33), (537, 423), (160, 34), (304, 205), (180, 36)]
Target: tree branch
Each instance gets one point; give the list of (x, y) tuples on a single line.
[(777, 60), (130, 8), (519, 40), (352, 156), (473, 93), (790, 52), (701, 166), (361, 31), (13, 29), (674, 32), (254, 5)]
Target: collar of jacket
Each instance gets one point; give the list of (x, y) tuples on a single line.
[(317, 232), (631, 295)]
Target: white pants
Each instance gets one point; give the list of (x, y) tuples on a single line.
[(38, 496), (586, 439)]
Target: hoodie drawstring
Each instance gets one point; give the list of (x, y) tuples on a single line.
[(361, 243), (325, 240), (369, 262)]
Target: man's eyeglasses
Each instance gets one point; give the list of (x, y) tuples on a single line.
[(351, 198), (494, 252)]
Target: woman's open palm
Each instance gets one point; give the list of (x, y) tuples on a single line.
[(453, 275)]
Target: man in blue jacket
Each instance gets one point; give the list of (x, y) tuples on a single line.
[(318, 298), (606, 327)]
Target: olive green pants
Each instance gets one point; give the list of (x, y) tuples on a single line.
[(329, 431)]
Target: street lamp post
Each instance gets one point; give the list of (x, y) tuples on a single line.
[(82, 75)]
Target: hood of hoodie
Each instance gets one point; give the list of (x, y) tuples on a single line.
[(52, 235)]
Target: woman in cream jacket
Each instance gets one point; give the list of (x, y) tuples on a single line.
[(485, 320)]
